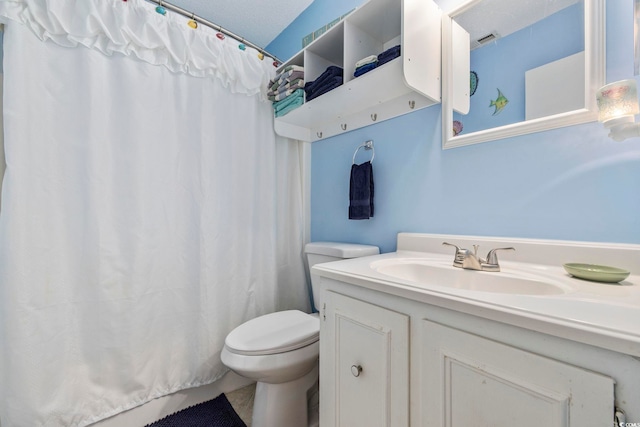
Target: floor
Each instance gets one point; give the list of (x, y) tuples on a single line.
[(242, 402)]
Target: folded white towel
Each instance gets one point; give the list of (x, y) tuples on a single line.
[(367, 60)]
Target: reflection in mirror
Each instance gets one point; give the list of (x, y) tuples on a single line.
[(532, 65), (519, 68)]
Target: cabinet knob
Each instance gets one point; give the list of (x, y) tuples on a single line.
[(356, 370)]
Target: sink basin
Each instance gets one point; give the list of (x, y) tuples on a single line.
[(435, 272)]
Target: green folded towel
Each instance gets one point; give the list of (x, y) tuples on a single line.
[(297, 94), (295, 104), (291, 102)]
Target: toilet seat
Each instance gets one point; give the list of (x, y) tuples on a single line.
[(274, 333)]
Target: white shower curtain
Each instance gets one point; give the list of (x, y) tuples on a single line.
[(146, 208)]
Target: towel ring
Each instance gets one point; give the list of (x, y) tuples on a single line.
[(367, 146)]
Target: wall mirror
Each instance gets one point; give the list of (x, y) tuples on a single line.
[(516, 67)]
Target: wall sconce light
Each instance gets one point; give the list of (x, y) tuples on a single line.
[(617, 107)]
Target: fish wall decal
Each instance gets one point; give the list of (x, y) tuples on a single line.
[(499, 104)]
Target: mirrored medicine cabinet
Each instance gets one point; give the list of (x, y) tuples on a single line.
[(516, 67)]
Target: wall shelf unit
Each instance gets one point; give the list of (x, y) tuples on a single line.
[(403, 85)]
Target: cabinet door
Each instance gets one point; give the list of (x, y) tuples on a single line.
[(364, 364), (468, 380)]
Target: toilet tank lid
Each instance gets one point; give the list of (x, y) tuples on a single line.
[(341, 250)]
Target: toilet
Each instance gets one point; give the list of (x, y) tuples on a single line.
[(280, 350)]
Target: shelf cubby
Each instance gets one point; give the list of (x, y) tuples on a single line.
[(400, 86)]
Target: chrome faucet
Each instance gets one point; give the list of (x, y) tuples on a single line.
[(471, 261)]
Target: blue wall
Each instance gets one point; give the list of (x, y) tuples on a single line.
[(572, 183), (318, 14)]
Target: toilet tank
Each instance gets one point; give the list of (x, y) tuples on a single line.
[(319, 252)]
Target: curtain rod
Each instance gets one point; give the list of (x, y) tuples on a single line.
[(210, 24)]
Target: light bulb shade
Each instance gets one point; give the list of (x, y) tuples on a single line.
[(618, 100)]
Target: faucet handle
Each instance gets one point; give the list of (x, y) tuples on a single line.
[(492, 257), (451, 244), (457, 262)]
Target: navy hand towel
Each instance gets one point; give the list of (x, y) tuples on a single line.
[(361, 191)]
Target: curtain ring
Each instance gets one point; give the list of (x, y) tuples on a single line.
[(193, 23), (160, 9)]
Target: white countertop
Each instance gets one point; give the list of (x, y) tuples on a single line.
[(605, 315)]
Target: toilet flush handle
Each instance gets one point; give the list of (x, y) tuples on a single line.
[(356, 370)]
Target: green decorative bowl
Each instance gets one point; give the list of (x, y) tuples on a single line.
[(596, 273)]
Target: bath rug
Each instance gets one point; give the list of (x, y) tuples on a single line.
[(217, 412)]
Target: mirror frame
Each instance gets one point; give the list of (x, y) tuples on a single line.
[(594, 48)]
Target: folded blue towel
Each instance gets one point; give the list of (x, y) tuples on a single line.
[(365, 69), (361, 191), (292, 106), (297, 94), (388, 55), (327, 86), (392, 51), (331, 72)]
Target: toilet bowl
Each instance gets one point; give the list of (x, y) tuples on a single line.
[(280, 350)]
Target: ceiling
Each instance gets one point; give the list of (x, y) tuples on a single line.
[(257, 21)]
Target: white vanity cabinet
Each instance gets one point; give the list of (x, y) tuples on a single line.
[(431, 366), (468, 380), (400, 86), (364, 364)]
